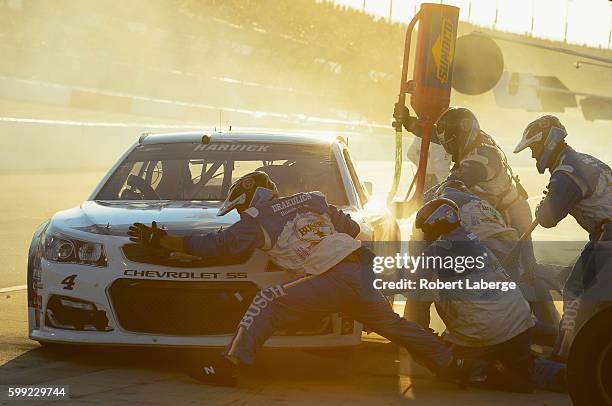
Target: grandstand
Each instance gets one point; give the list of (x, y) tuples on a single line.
[(284, 56)]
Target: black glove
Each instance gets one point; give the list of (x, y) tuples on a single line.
[(141, 234), (401, 114)]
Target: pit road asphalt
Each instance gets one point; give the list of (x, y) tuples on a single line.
[(374, 373)]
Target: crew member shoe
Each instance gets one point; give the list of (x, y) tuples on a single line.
[(220, 372), (502, 378), (456, 371)]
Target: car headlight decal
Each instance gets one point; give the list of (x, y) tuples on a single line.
[(90, 252), (78, 305), (60, 248)]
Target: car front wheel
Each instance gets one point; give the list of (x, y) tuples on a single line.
[(589, 365)]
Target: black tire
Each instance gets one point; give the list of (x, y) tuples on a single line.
[(589, 365)]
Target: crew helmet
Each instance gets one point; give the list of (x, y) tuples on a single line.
[(457, 130), (544, 135), (437, 217), (244, 192)]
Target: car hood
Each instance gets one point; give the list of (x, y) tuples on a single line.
[(114, 217)]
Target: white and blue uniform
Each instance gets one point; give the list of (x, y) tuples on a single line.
[(481, 218), (487, 325), (485, 172), (316, 241), (475, 318), (581, 185), (483, 168)]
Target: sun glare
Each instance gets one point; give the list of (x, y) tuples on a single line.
[(584, 22), (590, 23), (549, 19), (512, 16)]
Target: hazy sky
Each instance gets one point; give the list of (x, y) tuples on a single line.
[(588, 21)]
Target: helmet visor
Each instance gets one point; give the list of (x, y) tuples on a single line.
[(230, 204), (531, 136)]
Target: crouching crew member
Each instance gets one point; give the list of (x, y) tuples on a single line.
[(481, 218), (490, 329), (304, 235), (580, 185)]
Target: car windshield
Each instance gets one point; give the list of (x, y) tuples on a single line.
[(195, 171)]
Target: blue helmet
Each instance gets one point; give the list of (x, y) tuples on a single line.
[(547, 134), (437, 217)]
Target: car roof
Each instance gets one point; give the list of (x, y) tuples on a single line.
[(280, 137)]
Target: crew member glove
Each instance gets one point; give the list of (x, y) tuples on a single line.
[(141, 234), (538, 213), (401, 114), (538, 210)]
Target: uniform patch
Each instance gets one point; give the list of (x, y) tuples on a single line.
[(290, 202), (312, 227)]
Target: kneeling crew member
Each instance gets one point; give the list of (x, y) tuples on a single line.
[(481, 218), (490, 329)]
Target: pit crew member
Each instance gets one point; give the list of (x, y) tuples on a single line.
[(489, 329), (481, 218), (316, 241), (580, 185)]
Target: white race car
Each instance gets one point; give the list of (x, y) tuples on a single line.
[(88, 284)]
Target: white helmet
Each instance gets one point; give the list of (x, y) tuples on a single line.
[(546, 131)]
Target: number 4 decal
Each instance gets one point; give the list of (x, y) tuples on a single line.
[(68, 282)]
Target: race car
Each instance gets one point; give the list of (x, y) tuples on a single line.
[(88, 284)]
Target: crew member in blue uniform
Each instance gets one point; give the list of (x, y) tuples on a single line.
[(317, 242), (490, 329), (581, 186), (489, 226)]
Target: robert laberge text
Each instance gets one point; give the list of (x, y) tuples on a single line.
[(437, 284)]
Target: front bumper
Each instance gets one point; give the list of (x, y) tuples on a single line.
[(119, 338), (145, 305)]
